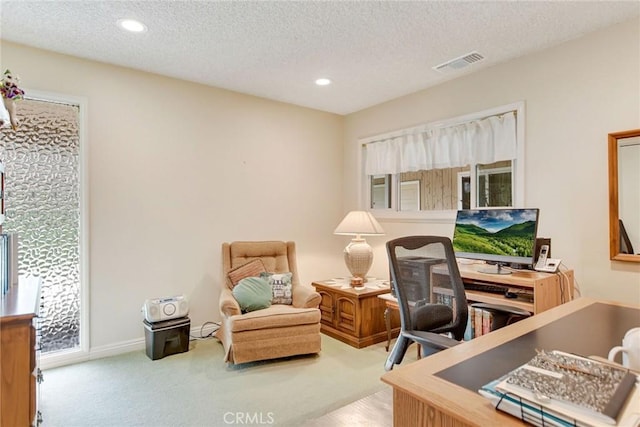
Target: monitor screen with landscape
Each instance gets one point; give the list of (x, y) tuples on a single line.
[(501, 236)]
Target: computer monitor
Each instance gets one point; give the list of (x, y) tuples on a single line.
[(499, 236)]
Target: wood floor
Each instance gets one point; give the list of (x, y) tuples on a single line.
[(375, 410)]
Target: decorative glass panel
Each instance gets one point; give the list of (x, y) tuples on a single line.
[(42, 207)]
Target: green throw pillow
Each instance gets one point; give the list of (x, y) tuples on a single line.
[(252, 293)]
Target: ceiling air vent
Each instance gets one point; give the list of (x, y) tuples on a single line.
[(460, 62)]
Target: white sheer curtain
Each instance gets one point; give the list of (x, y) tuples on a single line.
[(479, 141)]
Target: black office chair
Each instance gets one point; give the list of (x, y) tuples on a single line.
[(431, 297)]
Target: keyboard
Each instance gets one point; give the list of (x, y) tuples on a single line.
[(492, 289)]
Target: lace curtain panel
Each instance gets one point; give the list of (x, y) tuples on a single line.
[(476, 142)]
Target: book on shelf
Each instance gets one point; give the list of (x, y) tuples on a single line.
[(478, 322), (444, 299), (487, 321), (469, 330), (563, 388)]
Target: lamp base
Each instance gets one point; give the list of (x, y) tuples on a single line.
[(357, 281), (358, 256)]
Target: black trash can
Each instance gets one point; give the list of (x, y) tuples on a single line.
[(167, 337)]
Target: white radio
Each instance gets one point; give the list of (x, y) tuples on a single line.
[(159, 309)]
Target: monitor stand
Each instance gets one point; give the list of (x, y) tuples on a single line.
[(494, 269)]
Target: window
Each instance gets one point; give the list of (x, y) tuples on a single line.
[(46, 207), (380, 192), (410, 195), (467, 162), (493, 186)]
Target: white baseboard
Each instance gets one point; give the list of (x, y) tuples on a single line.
[(69, 357), (117, 348), (62, 358)]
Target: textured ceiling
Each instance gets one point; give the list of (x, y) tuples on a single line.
[(373, 51)]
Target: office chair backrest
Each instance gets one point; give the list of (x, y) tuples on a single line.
[(424, 271)]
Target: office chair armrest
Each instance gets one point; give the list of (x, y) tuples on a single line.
[(431, 340)]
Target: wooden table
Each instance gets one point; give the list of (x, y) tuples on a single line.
[(441, 389), (353, 315), (390, 307), (392, 311)]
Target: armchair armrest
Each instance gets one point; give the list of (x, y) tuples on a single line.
[(228, 304), (305, 296)]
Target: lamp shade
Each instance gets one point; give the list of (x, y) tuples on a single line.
[(359, 223)]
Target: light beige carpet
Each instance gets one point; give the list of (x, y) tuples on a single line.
[(197, 388)]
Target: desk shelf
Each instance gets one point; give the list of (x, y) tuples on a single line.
[(477, 296), (490, 298), (548, 290)]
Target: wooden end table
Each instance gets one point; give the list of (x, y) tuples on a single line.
[(352, 315), (391, 307)]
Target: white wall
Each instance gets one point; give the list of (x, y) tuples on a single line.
[(175, 169), (575, 95)]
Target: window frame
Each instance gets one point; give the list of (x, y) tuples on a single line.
[(413, 183), (394, 212), (82, 351)]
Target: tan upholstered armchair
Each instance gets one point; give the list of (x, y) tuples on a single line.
[(280, 330)]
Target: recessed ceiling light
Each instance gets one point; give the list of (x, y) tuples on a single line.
[(323, 82), (132, 25)]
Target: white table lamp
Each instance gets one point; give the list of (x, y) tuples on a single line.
[(358, 255)]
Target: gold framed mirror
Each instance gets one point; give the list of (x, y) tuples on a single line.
[(624, 195)]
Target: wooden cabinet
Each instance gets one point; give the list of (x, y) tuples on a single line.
[(19, 372), (355, 317)]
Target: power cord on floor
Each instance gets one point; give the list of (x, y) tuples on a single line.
[(210, 334)]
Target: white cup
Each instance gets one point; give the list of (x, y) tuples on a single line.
[(630, 350)]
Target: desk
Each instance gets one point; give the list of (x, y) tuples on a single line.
[(546, 289), (441, 389)]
